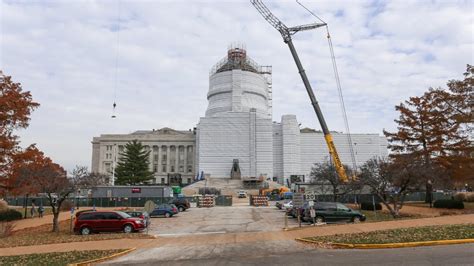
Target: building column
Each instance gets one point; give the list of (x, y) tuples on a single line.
[(185, 158), (168, 153), (159, 159), (176, 168)]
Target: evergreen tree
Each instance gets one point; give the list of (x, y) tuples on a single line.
[(132, 169)]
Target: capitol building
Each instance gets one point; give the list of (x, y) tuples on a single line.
[(237, 131)]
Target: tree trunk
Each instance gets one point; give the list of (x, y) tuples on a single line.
[(55, 220), (393, 210)]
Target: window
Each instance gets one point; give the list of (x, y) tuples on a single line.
[(162, 180), (164, 169), (181, 168), (155, 157), (99, 216), (107, 167), (190, 168), (189, 180), (111, 216), (341, 207), (155, 168), (87, 216), (172, 168), (326, 206)]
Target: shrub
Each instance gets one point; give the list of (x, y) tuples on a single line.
[(464, 196), (449, 204), (10, 215), (470, 197), (3, 205), (369, 206), (461, 196), (6, 229)]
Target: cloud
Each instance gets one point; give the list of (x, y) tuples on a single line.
[(64, 52)]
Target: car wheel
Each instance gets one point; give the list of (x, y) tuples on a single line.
[(127, 229), (86, 231), (319, 219), (356, 219), (181, 209), (167, 215)]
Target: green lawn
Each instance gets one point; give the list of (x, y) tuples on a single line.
[(380, 216), (56, 258), (427, 233)]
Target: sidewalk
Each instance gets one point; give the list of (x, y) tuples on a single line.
[(193, 240)]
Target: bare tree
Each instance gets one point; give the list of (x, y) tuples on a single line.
[(325, 174), (85, 179), (392, 180)]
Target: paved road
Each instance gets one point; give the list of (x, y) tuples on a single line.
[(249, 235), (437, 255), (235, 219)]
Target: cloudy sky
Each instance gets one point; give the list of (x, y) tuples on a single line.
[(153, 58)]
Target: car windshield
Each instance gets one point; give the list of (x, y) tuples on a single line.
[(124, 215)]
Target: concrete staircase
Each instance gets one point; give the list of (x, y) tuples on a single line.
[(227, 186)]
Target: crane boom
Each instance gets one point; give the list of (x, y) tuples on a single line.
[(286, 34)]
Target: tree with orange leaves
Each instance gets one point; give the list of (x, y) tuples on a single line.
[(16, 106), (36, 173), (436, 129)]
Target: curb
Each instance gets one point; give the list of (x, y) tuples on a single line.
[(392, 245), (89, 262)]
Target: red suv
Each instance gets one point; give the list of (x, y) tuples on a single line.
[(106, 221)]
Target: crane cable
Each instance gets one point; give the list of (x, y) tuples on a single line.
[(116, 59), (339, 88)]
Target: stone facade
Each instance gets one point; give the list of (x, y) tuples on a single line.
[(172, 152)]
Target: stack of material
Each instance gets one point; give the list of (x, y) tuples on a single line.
[(259, 200), (206, 201)]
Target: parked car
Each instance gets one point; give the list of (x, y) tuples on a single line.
[(332, 212), (106, 221), (166, 210), (140, 214), (174, 209), (181, 203), (280, 204), (242, 194)]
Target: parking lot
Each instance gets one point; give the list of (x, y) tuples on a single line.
[(216, 220)]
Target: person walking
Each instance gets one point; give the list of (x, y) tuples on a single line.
[(40, 211), (33, 210)]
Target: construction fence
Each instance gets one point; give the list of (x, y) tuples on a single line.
[(91, 202)]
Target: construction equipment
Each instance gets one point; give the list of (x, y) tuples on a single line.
[(286, 33)]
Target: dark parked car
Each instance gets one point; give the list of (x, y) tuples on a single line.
[(166, 210), (140, 214), (332, 212), (106, 221), (181, 203)]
